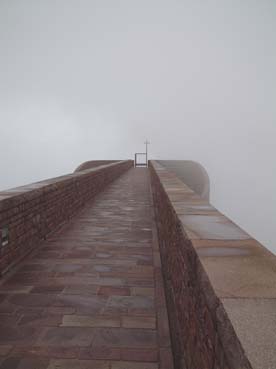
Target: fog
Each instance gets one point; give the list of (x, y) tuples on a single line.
[(91, 79)]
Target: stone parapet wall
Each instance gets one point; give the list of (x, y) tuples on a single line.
[(216, 276), (192, 173), (94, 163), (29, 213)]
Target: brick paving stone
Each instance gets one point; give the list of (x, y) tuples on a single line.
[(133, 365), (92, 303), (89, 321), (25, 363), (3, 297), (140, 282), (6, 308), (91, 296), (102, 268), (103, 255), (46, 351), (32, 300), (144, 355), (125, 303), (78, 364), (10, 363), (10, 289), (60, 310), (5, 349), (139, 322), (40, 319), (47, 289), (100, 353), (12, 334), (97, 280), (166, 359), (67, 336), (142, 291), (112, 291), (30, 310), (35, 267), (81, 290), (119, 337)]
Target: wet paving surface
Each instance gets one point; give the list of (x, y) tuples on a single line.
[(91, 296)]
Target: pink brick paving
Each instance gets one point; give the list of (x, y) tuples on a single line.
[(91, 296)]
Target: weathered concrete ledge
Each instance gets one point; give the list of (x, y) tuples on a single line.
[(192, 173), (220, 283), (29, 213)]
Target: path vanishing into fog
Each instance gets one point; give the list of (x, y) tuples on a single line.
[(91, 296)]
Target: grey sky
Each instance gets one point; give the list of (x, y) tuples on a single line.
[(90, 79)]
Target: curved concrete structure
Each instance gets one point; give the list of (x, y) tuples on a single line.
[(192, 174), (94, 163)]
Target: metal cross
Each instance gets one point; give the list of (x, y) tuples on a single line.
[(147, 143)]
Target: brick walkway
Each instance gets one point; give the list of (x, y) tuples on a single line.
[(91, 296)]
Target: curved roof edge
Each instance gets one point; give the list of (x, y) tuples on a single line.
[(192, 173)]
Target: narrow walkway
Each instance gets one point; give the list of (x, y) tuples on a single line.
[(91, 296)]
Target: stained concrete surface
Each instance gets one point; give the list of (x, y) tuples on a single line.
[(259, 316), (212, 227)]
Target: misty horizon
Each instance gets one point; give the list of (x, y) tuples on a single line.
[(92, 80)]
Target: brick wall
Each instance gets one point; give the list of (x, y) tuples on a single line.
[(201, 332), (32, 212)]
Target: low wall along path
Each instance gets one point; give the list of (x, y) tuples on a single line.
[(32, 212), (220, 282), (115, 267), (91, 295)]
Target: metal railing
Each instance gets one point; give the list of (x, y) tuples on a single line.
[(140, 164)]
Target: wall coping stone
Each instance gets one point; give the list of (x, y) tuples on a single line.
[(241, 271)]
